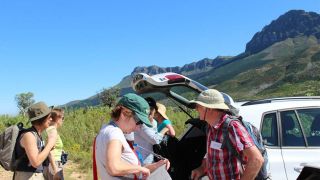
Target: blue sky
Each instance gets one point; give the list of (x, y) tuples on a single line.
[(69, 50)]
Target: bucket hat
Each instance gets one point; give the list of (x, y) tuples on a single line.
[(38, 110), (138, 105), (211, 98), (162, 110)]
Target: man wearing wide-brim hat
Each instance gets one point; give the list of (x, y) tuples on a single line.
[(30, 148), (219, 162)]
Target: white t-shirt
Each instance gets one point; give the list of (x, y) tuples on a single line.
[(107, 133), (145, 138)]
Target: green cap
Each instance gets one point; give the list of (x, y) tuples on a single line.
[(138, 105), (38, 110)]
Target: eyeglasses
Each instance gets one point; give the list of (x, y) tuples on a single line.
[(62, 118), (139, 122)]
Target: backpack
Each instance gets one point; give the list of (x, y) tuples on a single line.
[(257, 139), (8, 140)]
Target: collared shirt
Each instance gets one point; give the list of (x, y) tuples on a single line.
[(221, 163)]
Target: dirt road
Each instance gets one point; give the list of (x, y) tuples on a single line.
[(69, 173)]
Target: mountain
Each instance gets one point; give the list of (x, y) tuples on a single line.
[(283, 59), (286, 68), (292, 24)]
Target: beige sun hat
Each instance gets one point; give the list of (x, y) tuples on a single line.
[(38, 110), (162, 110), (211, 98)]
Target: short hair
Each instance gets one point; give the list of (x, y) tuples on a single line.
[(39, 121), (152, 103)]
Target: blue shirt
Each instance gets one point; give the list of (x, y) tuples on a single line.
[(163, 124)]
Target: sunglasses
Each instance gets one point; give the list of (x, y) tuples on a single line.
[(134, 116), (139, 122)]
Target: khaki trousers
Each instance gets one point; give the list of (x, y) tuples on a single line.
[(21, 175)]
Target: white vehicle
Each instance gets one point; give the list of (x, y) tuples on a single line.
[(290, 126)]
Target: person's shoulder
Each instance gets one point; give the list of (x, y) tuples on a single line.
[(167, 121), (51, 128), (27, 138), (110, 130), (235, 123)]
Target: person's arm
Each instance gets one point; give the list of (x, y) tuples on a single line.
[(200, 171), (164, 131), (52, 163), (29, 143), (116, 166), (171, 130), (51, 155), (240, 135), (150, 135), (156, 165), (255, 161)]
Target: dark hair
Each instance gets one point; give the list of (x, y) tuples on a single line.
[(115, 113), (152, 103), (40, 121)]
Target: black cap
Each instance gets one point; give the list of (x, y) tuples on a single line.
[(152, 103)]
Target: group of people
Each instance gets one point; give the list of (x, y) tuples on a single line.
[(35, 158), (147, 121), (117, 158)]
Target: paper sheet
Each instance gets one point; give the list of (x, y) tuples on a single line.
[(160, 174)]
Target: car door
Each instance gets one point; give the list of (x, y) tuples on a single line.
[(270, 135), (296, 129)]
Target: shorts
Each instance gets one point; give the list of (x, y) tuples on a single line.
[(48, 171)]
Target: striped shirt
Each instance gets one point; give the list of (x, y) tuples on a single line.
[(221, 164)]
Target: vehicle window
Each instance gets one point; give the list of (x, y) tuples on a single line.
[(155, 95), (185, 92), (269, 130), (291, 130), (310, 121)]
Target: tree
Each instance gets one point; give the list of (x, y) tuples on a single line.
[(109, 96), (24, 100)]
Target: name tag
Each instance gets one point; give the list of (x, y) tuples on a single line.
[(215, 145)]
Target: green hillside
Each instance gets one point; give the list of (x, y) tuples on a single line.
[(287, 68)]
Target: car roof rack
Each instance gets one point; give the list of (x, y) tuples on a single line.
[(264, 101)]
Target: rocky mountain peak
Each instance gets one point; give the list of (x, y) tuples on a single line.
[(292, 24), (202, 65)]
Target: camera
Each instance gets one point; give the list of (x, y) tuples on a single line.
[(64, 158)]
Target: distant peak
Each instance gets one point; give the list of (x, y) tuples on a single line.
[(201, 65), (289, 25)]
